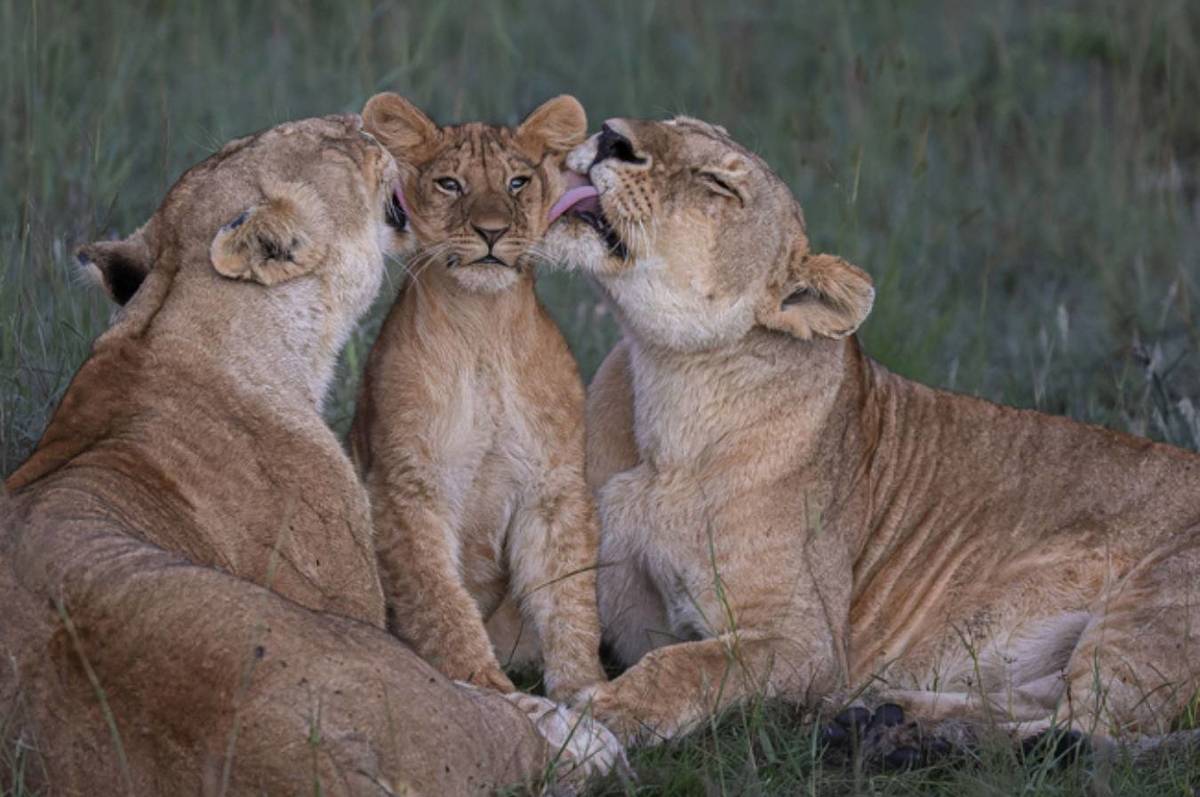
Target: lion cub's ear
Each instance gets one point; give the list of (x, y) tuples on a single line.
[(556, 126), (398, 124), (821, 295), (117, 266), (277, 240)]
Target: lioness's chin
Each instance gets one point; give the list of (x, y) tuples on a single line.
[(572, 243)]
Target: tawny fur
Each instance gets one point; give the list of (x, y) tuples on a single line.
[(469, 427), (782, 515), (191, 602)]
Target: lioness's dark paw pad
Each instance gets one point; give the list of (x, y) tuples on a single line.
[(886, 716), (854, 719), (834, 735)]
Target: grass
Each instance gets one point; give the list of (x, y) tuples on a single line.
[(1020, 179)]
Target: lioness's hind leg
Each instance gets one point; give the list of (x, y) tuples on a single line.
[(1137, 665)]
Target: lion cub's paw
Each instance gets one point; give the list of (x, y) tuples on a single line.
[(490, 677), (599, 701), (585, 748)]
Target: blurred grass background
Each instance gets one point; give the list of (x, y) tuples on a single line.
[(1020, 178)]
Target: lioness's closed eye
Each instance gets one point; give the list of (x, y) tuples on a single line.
[(469, 425)]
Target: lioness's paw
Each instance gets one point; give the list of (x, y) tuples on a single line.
[(584, 747)]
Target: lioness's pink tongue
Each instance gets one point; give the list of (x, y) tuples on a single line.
[(579, 188)]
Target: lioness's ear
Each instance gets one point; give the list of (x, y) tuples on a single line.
[(556, 125), (398, 124), (277, 240), (821, 295), (117, 266)]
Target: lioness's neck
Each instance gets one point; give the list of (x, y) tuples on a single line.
[(282, 341), (696, 404)]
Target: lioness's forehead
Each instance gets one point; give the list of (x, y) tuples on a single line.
[(706, 138)]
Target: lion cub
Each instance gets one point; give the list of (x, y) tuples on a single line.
[(469, 425)]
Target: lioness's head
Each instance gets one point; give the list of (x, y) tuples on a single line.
[(697, 240), (478, 196), (301, 199)]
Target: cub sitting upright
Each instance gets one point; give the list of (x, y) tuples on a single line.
[(469, 427)]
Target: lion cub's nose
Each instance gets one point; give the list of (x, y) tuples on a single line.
[(490, 234)]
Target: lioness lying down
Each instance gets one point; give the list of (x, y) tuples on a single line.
[(191, 602), (781, 514)]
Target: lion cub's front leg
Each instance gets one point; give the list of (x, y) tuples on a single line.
[(552, 555), (431, 607)]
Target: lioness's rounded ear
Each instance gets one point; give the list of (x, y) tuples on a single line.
[(398, 124), (820, 295), (117, 266), (556, 125), (277, 240)]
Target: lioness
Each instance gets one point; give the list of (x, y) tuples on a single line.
[(782, 514), (469, 424), (191, 602)]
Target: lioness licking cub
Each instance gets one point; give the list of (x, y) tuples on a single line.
[(782, 515)]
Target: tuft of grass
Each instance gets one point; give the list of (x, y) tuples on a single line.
[(1020, 179)]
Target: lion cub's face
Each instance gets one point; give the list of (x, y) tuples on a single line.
[(696, 240), (478, 196)]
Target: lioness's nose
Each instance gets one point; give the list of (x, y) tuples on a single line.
[(615, 145), (490, 234)]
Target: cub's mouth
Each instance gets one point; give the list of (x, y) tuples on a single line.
[(582, 201)]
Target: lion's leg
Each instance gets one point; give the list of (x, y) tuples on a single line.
[(431, 607), (611, 446), (676, 688), (514, 640), (1137, 665), (1029, 702), (552, 557), (632, 614)]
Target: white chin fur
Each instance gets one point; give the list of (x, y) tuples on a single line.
[(484, 279), (574, 245)]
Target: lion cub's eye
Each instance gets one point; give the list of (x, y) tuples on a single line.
[(517, 183), (449, 185)]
